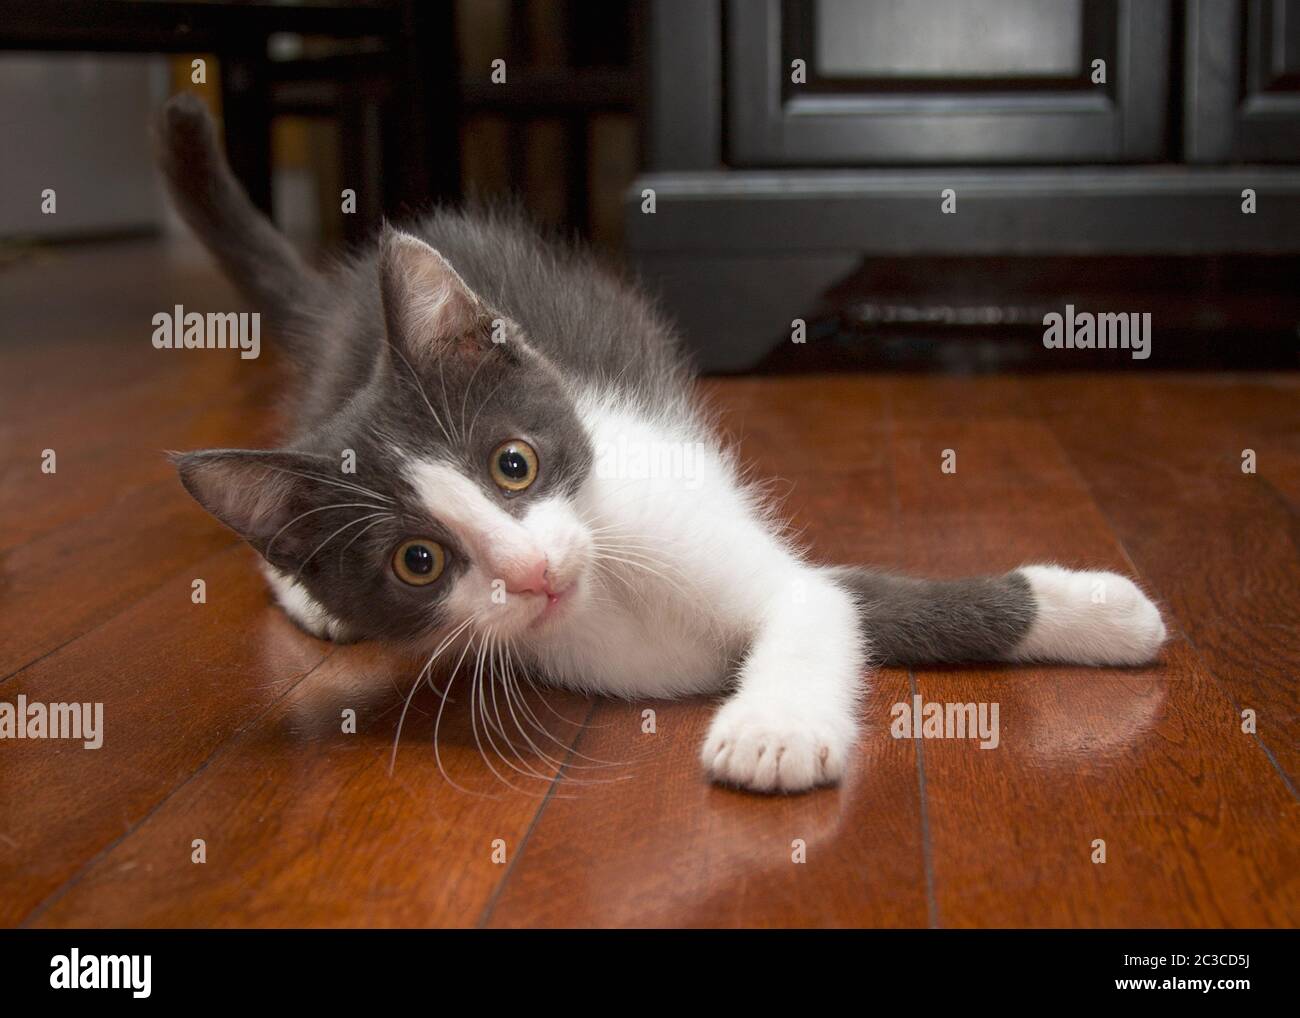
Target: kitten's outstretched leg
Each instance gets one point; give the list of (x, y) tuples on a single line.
[(792, 721), (1036, 613)]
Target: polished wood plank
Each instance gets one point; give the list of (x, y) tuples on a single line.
[(1163, 459), (82, 378), (667, 849), (176, 679), (69, 581), (82, 544), (304, 824), (1198, 828), (115, 442)]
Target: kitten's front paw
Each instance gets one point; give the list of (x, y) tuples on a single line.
[(772, 748), (309, 616)]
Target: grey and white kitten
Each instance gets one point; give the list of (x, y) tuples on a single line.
[(477, 371)]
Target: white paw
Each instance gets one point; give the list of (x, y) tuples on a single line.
[(1091, 618), (775, 747), (303, 609)]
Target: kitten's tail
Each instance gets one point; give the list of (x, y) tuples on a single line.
[(254, 255), (1036, 613)]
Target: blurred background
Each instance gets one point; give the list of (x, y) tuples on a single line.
[(916, 181)]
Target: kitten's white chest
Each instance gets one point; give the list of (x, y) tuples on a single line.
[(616, 653), (663, 618)]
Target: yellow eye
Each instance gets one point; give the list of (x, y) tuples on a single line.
[(419, 561), (513, 465)]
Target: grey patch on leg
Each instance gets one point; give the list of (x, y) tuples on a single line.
[(912, 621)]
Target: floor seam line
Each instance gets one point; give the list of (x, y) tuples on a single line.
[(927, 855), (118, 614), (532, 825)]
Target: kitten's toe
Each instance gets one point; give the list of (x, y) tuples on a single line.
[(768, 749)]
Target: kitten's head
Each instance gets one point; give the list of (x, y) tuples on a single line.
[(447, 491)]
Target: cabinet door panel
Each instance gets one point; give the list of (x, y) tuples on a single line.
[(1243, 81), (943, 81), (946, 38)]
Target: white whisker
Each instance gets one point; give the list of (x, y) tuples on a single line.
[(428, 665), (320, 509), (345, 485), (511, 681), (437, 724), (352, 523), (353, 539)]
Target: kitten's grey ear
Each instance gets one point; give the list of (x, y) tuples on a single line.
[(257, 493), (428, 309)]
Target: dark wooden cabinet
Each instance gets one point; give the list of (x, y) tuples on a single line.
[(1242, 81), (847, 82), (770, 186)]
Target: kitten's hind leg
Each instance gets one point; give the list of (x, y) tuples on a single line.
[(793, 720), (305, 610), (1036, 613)]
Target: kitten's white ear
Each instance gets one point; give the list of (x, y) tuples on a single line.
[(428, 309)]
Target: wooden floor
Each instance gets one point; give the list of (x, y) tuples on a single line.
[(224, 723)]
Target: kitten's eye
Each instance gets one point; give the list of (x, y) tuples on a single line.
[(513, 465), (418, 561)]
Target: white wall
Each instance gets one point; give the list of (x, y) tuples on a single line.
[(78, 123)]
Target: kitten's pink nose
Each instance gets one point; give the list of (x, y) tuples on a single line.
[(529, 577)]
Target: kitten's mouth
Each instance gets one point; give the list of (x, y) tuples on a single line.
[(556, 605)]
